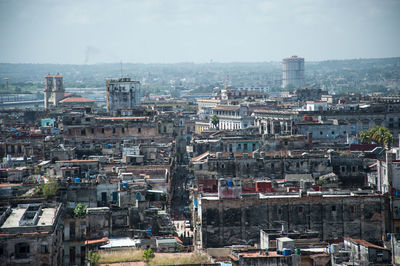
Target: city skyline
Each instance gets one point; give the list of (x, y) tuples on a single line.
[(91, 32)]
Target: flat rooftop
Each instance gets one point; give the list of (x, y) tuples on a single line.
[(30, 216)]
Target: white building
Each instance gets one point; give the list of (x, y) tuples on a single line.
[(205, 106), (233, 117), (122, 93), (387, 171), (293, 71), (316, 106)]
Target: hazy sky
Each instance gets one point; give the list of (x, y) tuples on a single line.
[(167, 31)]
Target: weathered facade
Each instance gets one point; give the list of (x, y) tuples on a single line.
[(238, 221), (31, 234), (122, 93)]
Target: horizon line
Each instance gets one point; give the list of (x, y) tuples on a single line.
[(198, 63)]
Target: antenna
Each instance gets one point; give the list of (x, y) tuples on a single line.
[(121, 68)]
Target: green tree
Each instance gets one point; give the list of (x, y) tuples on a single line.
[(365, 139), (80, 210), (148, 254), (93, 257), (215, 121), (377, 134), (50, 189)]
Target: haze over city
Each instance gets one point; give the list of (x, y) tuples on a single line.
[(88, 32)]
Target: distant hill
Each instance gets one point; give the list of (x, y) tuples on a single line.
[(332, 74)]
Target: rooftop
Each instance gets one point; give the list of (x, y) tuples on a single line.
[(227, 107), (76, 100), (364, 243), (31, 215)]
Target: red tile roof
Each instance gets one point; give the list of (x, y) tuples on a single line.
[(76, 100), (362, 147), (227, 107), (78, 161), (177, 239), (364, 243), (97, 241), (9, 185), (200, 157)]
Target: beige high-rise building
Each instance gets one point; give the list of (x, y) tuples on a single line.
[(293, 71)]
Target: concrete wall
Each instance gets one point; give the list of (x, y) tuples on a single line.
[(229, 221)]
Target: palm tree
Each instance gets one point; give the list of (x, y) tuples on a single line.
[(215, 121), (365, 138), (377, 134)]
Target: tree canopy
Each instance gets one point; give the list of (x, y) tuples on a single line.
[(80, 210), (215, 120), (50, 188), (377, 134)]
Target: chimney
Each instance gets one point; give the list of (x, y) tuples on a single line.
[(309, 140)]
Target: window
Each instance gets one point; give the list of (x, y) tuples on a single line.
[(333, 208), (123, 130), (113, 130), (300, 209), (279, 211), (83, 252), (83, 132), (139, 130), (21, 250), (72, 255), (320, 132), (44, 248), (92, 130), (102, 131), (254, 146), (245, 147), (353, 209), (72, 230)]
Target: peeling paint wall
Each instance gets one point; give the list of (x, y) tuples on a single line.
[(230, 221)]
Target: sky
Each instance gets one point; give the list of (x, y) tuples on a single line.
[(199, 31)]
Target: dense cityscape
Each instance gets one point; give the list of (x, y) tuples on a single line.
[(199, 132), (242, 175)]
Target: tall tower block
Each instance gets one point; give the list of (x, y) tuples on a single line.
[(293, 71)]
